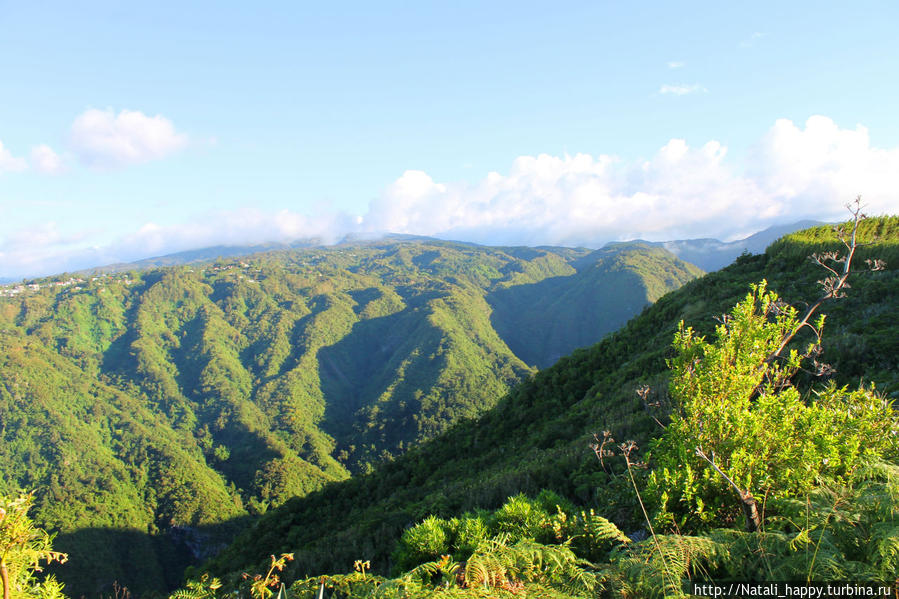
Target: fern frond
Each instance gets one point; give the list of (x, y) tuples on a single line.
[(660, 565), (204, 588), (497, 564), (884, 548)]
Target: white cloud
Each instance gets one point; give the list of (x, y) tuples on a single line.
[(44, 248), (9, 163), (103, 139), (238, 227), (38, 249), (823, 160), (795, 171), (676, 64), (681, 89), (571, 199), (41, 235), (45, 160), (681, 191)]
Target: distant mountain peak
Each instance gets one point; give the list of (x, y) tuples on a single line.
[(713, 254)]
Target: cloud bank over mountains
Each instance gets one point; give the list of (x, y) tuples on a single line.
[(682, 191)]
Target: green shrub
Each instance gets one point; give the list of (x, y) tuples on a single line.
[(469, 532), (522, 518), (735, 402), (424, 542)]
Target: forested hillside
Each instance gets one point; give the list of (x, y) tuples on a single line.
[(544, 321), (539, 436), (155, 411)]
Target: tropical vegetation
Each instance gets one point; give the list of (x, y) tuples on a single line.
[(156, 413), (762, 444), (818, 453)]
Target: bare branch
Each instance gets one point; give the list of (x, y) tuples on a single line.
[(875, 264), (599, 449), (643, 394), (750, 507), (833, 286), (711, 462)]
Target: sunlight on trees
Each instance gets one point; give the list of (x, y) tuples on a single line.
[(23, 548)]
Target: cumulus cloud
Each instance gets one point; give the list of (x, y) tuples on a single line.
[(45, 160), (9, 163), (681, 89), (824, 160), (681, 191), (794, 172), (579, 200), (676, 64), (101, 138)]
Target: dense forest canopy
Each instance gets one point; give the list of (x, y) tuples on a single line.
[(155, 411), (538, 437), (163, 408)]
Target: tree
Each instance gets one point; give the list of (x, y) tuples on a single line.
[(23, 546), (740, 423)]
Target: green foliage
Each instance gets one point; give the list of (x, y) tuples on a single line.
[(549, 318), (541, 520), (497, 568), (497, 563), (877, 237), (24, 549), (737, 404), (262, 586), (424, 542), (536, 437), (658, 567), (809, 451), (184, 398), (589, 535), (833, 533), (469, 531), (521, 518), (204, 588)]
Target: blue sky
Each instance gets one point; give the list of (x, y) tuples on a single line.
[(135, 129)]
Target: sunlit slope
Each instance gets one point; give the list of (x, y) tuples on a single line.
[(538, 436)]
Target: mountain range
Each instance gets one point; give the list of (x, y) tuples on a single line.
[(157, 411), (706, 253), (161, 411), (712, 254), (538, 436)]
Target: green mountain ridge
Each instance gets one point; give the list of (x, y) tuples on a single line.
[(538, 436), (153, 411), (606, 290)]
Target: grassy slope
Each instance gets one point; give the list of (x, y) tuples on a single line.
[(537, 436)]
